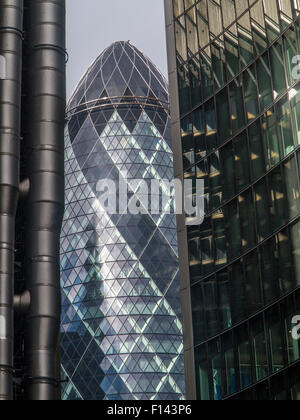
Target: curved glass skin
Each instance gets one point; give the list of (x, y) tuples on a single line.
[(239, 95), (121, 325)]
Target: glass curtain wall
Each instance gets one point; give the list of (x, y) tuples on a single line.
[(239, 94)]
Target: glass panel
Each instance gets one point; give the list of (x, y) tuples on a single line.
[(260, 349), (211, 126), (275, 337), (290, 50), (295, 104), (237, 105), (244, 357), (278, 199), (247, 220), (237, 292), (264, 82), (253, 284), (262, 210), (269, 272), (217, 369), (211, 307), (285, 267), (295, 240), (224, 300), (203, 370), (233, 228), (292, 345), (278, 74), (230, 365), (269, 127), (224, 126), (199, 322), (251, 91), (227, 161), (256, 151), (285, 125), (241, 156)]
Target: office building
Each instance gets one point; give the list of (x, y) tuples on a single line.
[(234, 94), (121, 327)]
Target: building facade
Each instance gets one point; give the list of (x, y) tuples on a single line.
[(32, 115), (235, 94), (121, 322)]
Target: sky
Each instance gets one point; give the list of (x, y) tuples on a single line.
[(92, 25)]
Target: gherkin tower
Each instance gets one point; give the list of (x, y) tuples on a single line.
[(121, 323)]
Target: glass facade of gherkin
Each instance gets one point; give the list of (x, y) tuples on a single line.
[(235, 108), (121, 328)]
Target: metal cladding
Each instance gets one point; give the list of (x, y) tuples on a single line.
[(121, 323), (32, 113), (11, 21), (45, 202)]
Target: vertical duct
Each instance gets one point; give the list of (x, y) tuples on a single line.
[(44, 144), (11, 21)]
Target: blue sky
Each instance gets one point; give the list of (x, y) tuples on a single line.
[(92, 25)]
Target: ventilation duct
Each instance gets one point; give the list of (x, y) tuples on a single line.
[(44, 145), (11, 21)]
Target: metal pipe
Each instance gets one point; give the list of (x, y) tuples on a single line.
[(24, 188), (22, 302), (11, 22), (44, 142)]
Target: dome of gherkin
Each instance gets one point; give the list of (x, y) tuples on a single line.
[(121, 70), (121, 327)]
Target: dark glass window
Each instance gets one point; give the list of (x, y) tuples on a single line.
[(237, 105), (262, 210), (290, 50), (292, 188), (253, 283), (217, 369), (278, 74), (287, 308), (224, 300), (270, 136), (199, 322), (278, 199), (203, 374), (227, 159), (231, 376), (199, 133), (237, 292), (233, 228), (251, 91), (211, 306), (241, 162), (276, 340), (295, 104), (264, 82), (211, 126), (244, 356), (269, 271), (247, 220), (285, 125), (285, 267), (223, 115), (259, 349), (295, 241), (257, 157)]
